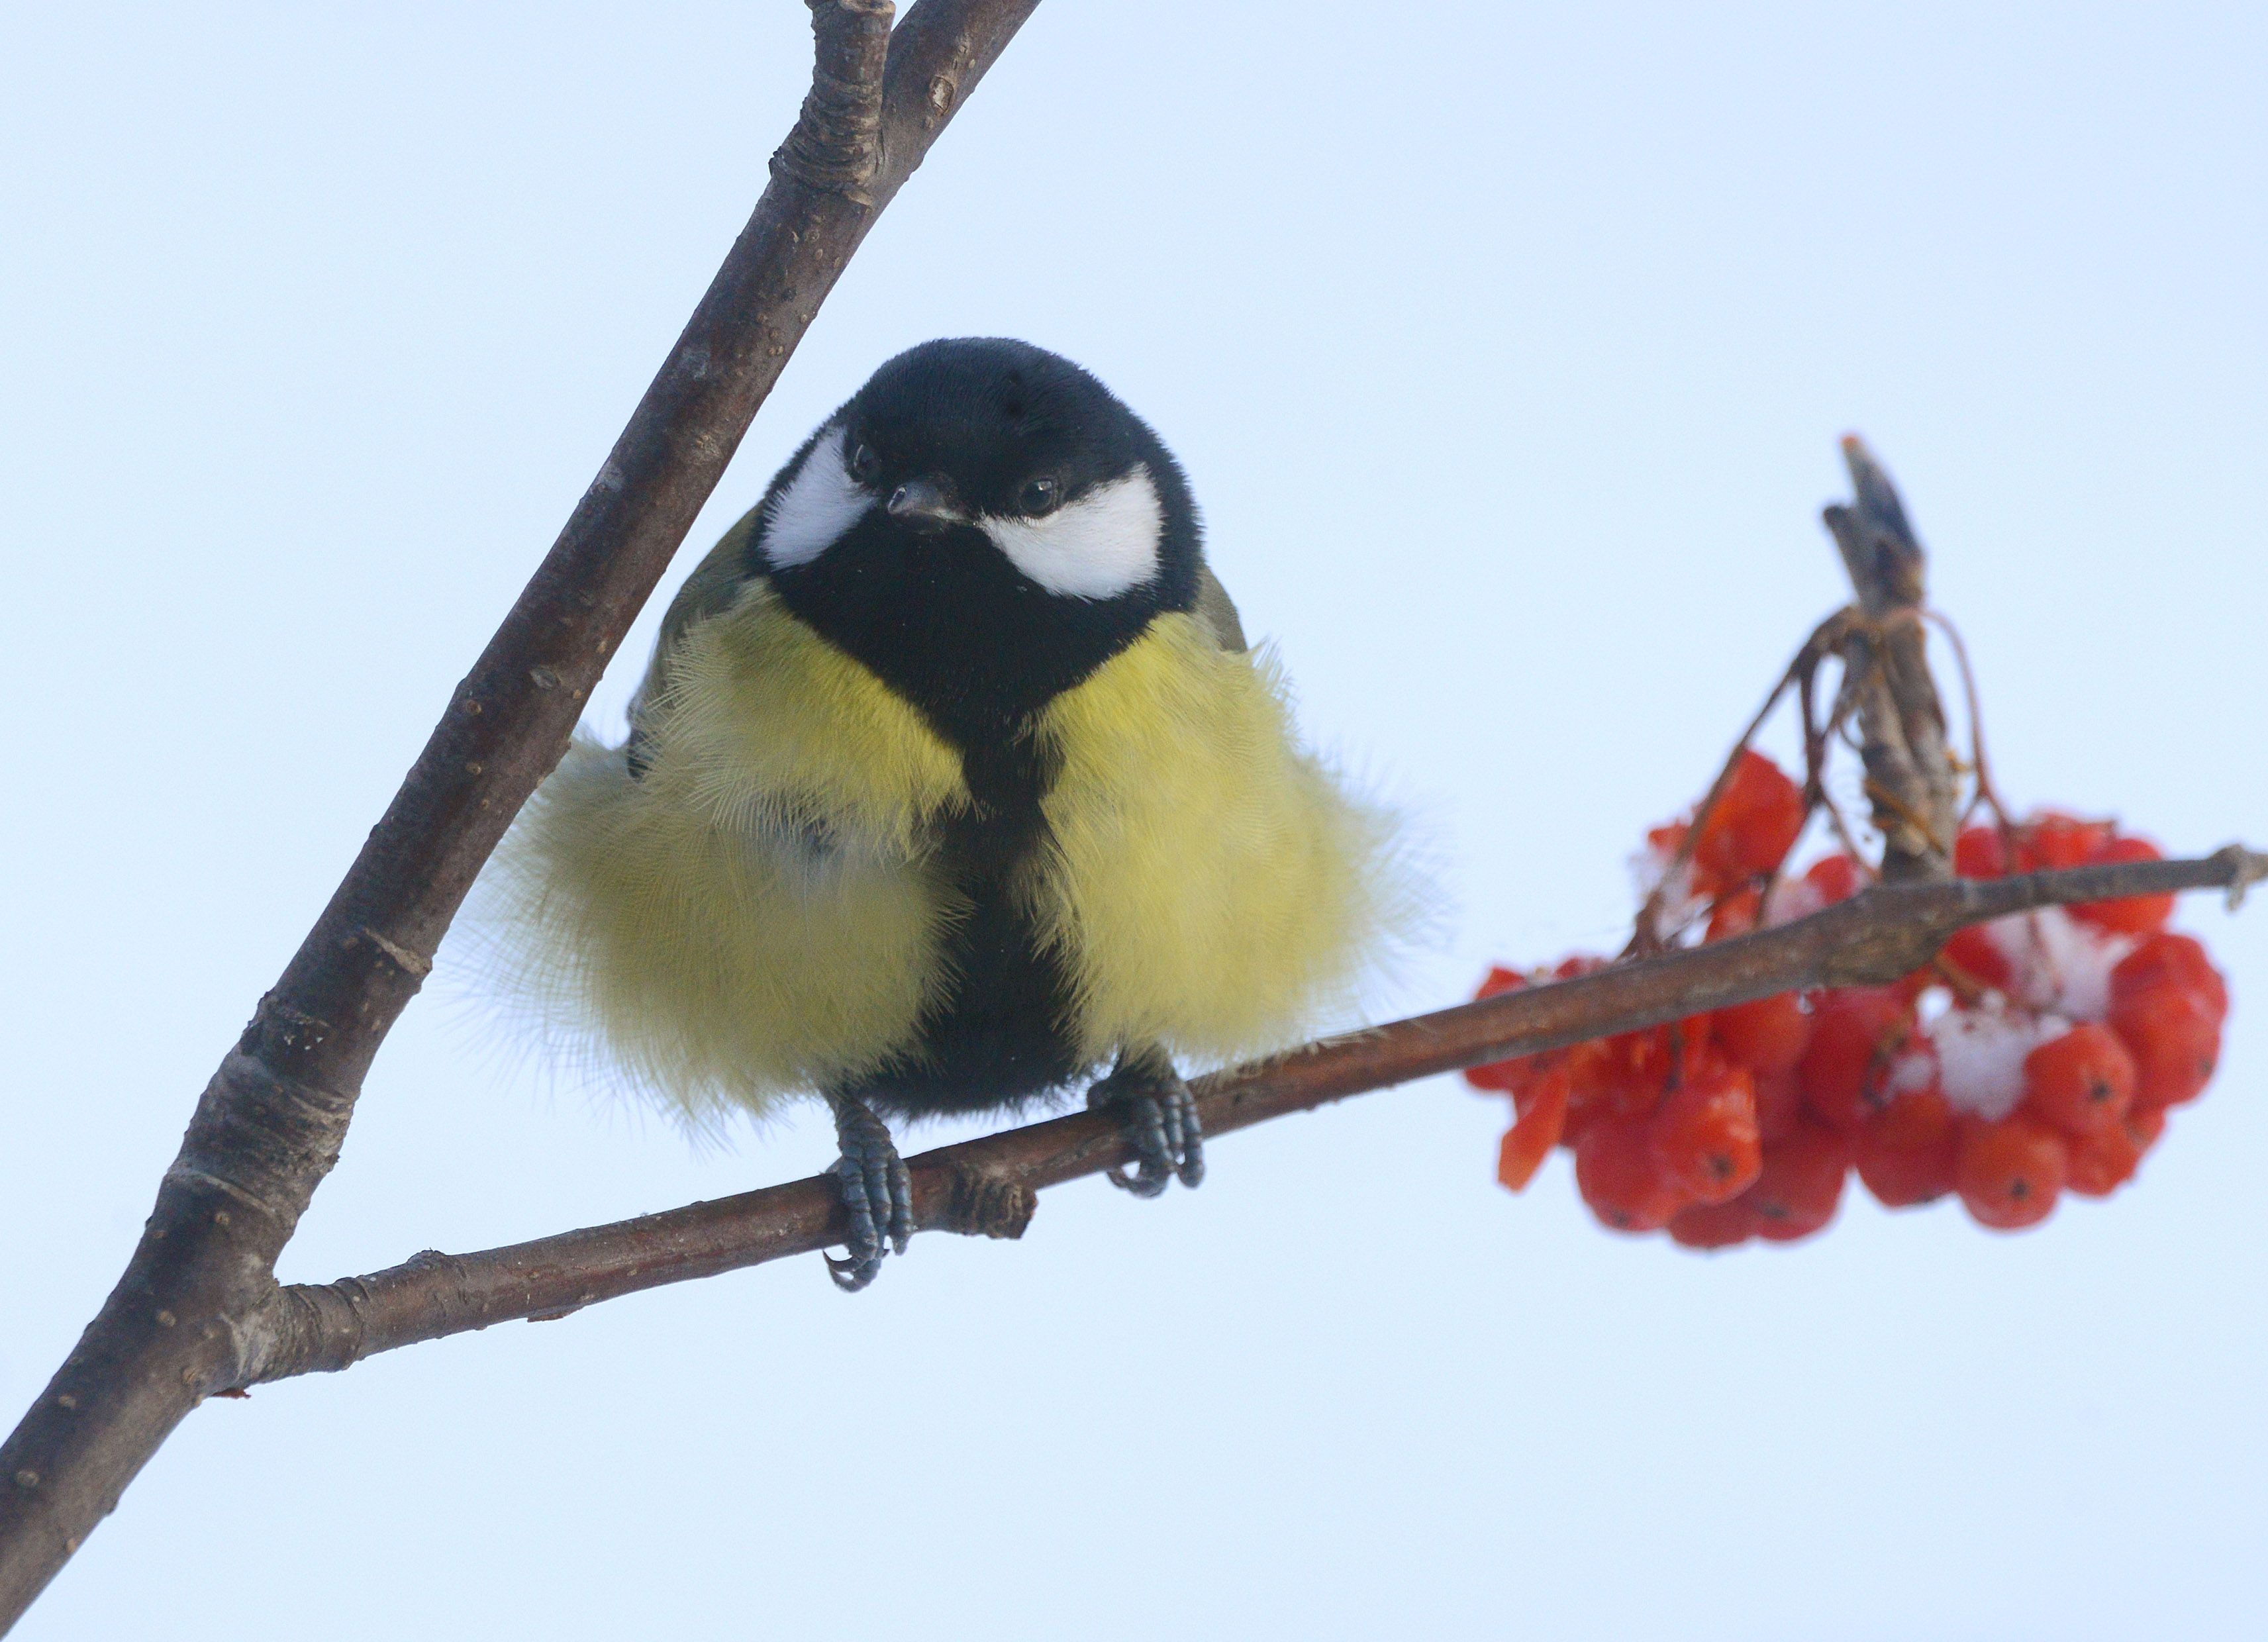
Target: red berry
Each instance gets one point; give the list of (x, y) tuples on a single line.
[(1529, 1140), (2009, 1174), (1755, 823), (1912, 1119), (1637, 1069), (1733, 915), (1498, 979), (1525, 1073), (2168, 960), (1768, 1035), (1901, 1177), (1500, 1076), (1779, 1107), (1704, 1136), (2141, 915), (1713, 1225), (1588, 1069), (1834, 878), (1635, 1073), (2097, 1165), (1977, 956), (1616, 1172), (1979, 852), (1592, 1066), (2052, 841), (1801, 1183), (1830, 879), (2082, 1082), (2146, 1127), (2175, 1038), (1855, 1034)]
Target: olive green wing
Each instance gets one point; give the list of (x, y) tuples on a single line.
[(1217, 611), (711, 588)]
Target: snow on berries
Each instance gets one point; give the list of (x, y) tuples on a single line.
[(2038, 1054)]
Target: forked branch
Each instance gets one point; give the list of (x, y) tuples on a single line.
[(198, 1311), (271, 1120)]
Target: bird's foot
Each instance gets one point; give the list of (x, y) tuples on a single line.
[(1160, 1119), (876, 1189)]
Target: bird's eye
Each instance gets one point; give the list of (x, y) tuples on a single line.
[(865, 465), (1039, 496)]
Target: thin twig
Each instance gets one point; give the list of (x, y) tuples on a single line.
[(1985, 792), (989, 1186), (1837, 822), (1648, 935), (270, 1123), (1816, 738)]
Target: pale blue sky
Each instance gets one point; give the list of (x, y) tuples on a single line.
[(1507, 348)]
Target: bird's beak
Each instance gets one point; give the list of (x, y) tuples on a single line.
[(926, 504)]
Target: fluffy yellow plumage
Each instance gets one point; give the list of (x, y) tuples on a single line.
[(1212, 886), (953, 782), (759, 913), (750, 917)]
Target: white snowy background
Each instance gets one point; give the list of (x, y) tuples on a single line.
[(1508, 348)]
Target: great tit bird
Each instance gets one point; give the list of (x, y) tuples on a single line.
[(952, 780)]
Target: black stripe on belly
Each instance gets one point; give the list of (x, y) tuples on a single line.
[(997, 1038)]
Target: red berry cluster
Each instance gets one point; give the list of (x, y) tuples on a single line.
[(2038, 1054)]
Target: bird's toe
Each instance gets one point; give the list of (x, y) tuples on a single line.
[(877, 1194), (1159, 1116)]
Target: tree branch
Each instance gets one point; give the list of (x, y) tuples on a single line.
[(270, 1124), (988, 1187)]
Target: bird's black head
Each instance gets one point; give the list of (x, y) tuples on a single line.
[(984, 525)]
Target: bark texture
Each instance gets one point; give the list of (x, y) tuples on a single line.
[(270, 1123), (990, 1187)]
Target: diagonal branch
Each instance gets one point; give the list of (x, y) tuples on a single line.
[(989, 1186), (270, 1124)]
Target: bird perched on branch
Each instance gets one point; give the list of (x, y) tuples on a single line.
[(953, 782)]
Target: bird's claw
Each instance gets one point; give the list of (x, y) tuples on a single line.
[(1160, 1116), (877, 1192)]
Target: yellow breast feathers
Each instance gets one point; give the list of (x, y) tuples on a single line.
[(1211, 885), (752, 915), (760, 912)]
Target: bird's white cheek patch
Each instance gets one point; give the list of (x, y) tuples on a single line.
[(815, 508), (1095, 547)]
